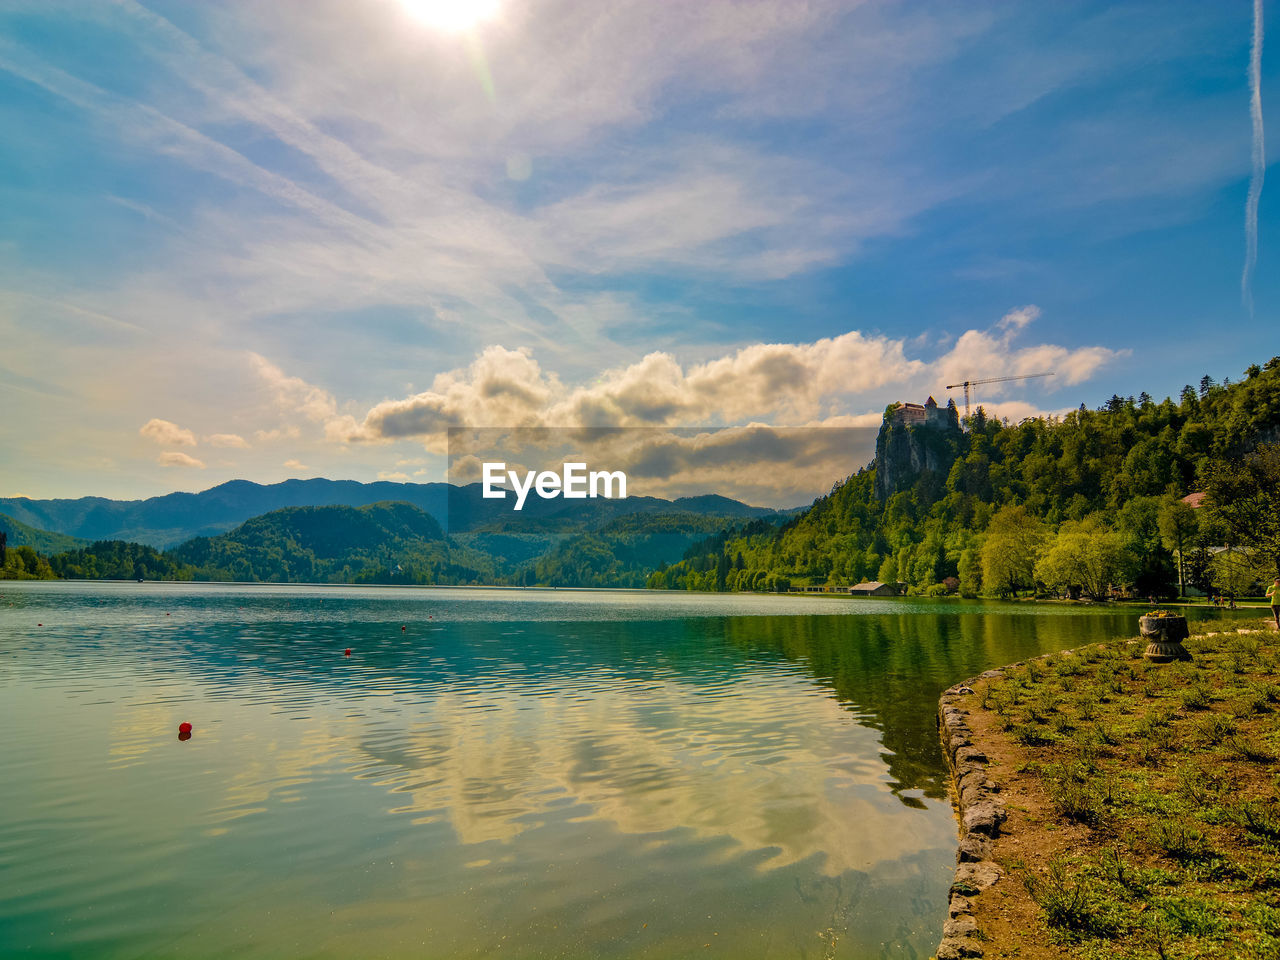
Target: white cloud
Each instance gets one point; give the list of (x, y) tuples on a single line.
[(360, 233), (778, 383), (500, 386), (233, 440), (791, 382), (167, 433), (978, 354), (783, 430), (1016, 319), (725, 143), (294, 393), (173, 458), (294, 465), (288, 432)]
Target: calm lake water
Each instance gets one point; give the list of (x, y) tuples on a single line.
[(520, 773)]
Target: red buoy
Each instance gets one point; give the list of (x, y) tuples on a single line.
[(403, 628), (347, 652), (184, 727)]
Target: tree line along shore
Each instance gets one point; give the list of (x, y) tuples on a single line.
[(1094, 503)]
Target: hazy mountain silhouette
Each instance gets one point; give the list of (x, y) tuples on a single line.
[(177, 517)]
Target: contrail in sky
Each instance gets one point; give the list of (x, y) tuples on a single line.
[(1259, 160)]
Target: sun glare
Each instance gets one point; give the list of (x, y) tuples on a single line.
[(451, 15)]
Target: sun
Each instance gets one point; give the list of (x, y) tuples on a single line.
[(454, 16)]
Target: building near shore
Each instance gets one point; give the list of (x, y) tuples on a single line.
[(874, 588)]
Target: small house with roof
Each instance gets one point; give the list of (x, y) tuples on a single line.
[(873, 588)]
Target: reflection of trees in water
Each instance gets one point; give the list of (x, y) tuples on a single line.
[(887, 669), (890, 669)]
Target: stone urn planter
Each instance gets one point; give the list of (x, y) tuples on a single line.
[(1165, 633)]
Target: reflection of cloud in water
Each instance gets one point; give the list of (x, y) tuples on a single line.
[(273, 771), (771, 763)]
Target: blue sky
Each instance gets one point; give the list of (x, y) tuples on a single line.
[(304, 239)]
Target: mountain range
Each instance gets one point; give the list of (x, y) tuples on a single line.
[(175, 518), (334, 531)]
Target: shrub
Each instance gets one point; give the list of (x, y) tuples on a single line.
[(1077, 802), (1157, 730), (1195, 784), (1075, 906), (1244, 649), (1195, 697), (1041, 709), (1248, 704), (1182, 842), (1215, 728), (1247, 748), (1269, 692), (1260, 819), (1033, 735)]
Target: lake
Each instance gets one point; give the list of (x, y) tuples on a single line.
[(524, 773)]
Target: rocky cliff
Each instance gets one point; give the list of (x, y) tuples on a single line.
[(914, 441)]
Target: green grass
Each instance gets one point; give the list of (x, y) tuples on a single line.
[(1174, 772)]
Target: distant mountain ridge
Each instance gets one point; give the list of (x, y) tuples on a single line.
[(394, 542), (175, 518)]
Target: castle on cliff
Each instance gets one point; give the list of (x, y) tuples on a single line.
[(915, 439), (914, 413)]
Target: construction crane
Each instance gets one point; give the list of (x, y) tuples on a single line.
[(973, 383)]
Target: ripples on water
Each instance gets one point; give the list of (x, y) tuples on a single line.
[(545, 773)]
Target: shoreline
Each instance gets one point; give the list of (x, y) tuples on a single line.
[(1006, 820), (1118, 605), (980, 812)]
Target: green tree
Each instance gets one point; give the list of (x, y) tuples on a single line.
[(1243, 500), (1147, 565), (1235, 572), (888, 572), (1013, 544), (970, 573), (1085, 556), (23, 563), (1124, 460), (1178, 527)]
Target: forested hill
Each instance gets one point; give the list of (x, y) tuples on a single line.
[(396, 543), (621, 553), (376, 543), (1108, 477), (23, 535)]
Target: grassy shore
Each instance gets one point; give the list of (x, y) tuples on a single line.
[(1143, 799)]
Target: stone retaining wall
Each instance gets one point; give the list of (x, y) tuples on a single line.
[(980, 811)]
